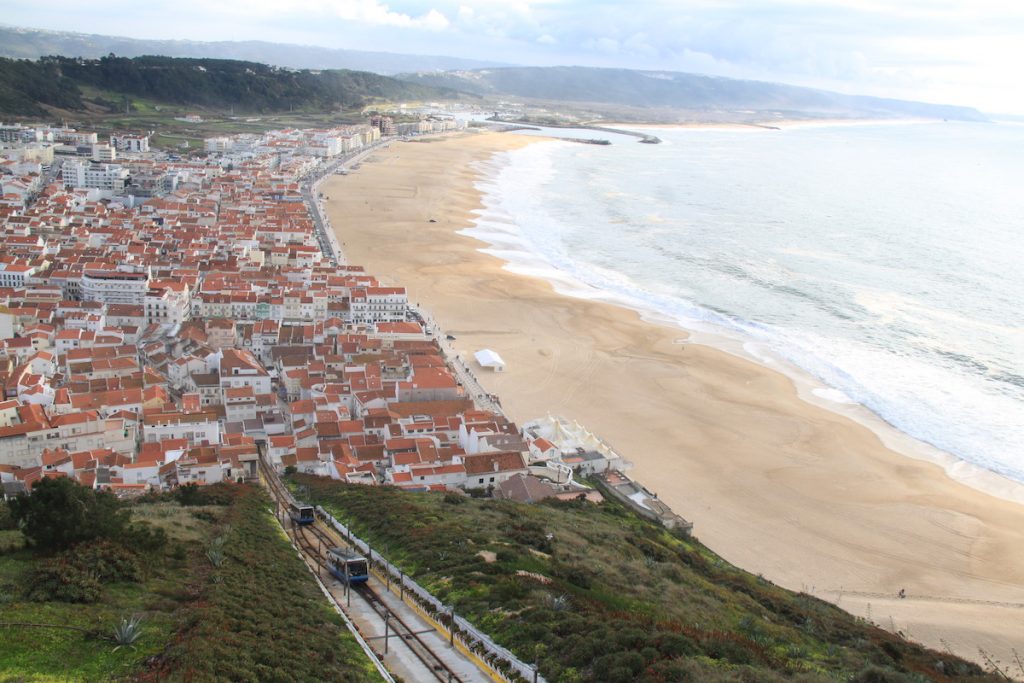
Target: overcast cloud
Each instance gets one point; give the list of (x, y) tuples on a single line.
[(941, 50)]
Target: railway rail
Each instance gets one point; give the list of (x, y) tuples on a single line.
[(395, 626), (314, 542)]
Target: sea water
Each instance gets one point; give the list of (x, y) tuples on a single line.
[(885, 260)]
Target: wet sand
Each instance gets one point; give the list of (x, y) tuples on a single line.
[(807, 497)]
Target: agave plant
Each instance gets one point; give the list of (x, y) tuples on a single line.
[(559, 602), (216, 556), (127, 632)]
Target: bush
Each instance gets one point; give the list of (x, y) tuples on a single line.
[(216, 494), (7, 521), (577, 576), (108, 561), (62, 581), (61, 513), (145, 539), (876, 674)]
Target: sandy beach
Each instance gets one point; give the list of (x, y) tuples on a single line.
[(809, 498)]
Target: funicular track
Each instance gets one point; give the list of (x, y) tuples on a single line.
[(314, 541)]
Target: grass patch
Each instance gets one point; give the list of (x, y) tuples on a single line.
[(596, 593), (260, 616), (256, 616), (11, 541), (29, 653)]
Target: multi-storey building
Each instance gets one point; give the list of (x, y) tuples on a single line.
[(108, 178), (127, 286), (127, 142), (379, 304)]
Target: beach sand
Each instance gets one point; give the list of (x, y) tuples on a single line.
[(804, 496)]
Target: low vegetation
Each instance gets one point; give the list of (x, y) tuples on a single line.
[(259, 617), (595, 593), (92, 589), (74, 573)]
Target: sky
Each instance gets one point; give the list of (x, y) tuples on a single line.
[(947, 51)]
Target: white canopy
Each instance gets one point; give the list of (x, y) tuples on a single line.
[(489, 359)]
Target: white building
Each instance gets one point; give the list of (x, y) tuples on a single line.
[(379, 304), (108, 178), (103, 152), (15, 132), (168, 306), (27, 152), (14, 274), (115, 286), (219, 144), (130, 143), (71, 136), (240, 368), (196, 428)]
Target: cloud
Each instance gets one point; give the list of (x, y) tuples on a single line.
[(940, 49), (375, 13)]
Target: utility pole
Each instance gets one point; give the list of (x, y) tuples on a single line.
[(451, 626)]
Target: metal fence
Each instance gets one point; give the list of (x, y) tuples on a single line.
[(470, 636)]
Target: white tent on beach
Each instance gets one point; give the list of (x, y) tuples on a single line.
[(489, 359)]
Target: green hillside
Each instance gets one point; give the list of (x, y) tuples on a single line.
[(219, 591), (25, 86), (595, 593)]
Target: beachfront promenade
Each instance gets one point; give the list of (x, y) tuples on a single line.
[(311, 195), (474, 390)]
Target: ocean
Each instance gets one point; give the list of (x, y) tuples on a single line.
[(885, 260)]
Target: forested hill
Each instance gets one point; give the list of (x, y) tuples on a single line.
[(247, 86)]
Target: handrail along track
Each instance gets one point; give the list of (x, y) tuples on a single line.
[(321, 542)]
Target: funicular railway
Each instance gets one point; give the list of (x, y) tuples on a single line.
[(401, 641)]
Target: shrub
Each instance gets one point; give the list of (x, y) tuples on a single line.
[(205, 516), (60, 513), (876, 674), (7, 521), (530, 533), (577, 576), (216, 494), (145, 539), (106, 560), (62, 581)]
